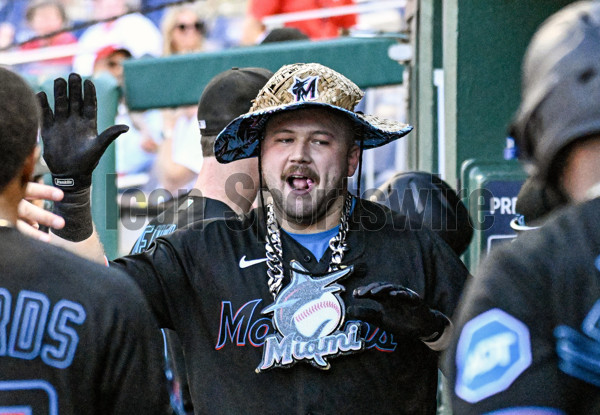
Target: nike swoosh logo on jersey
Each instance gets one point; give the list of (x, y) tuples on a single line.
[(244, 263)]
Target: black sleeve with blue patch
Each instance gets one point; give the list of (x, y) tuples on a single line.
[(528, 330), (193, 208)]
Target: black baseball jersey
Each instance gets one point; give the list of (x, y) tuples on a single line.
[(75, 337), (529, 324), (192, 208), (245, 356)]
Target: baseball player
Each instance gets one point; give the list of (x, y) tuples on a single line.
[(220, 191), (75, 337), (315, 302), (529, 324)]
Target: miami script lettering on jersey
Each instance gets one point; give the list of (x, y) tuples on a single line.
[(246, 326), (22, 330)]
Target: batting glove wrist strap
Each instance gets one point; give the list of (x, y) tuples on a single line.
[(75, 208)]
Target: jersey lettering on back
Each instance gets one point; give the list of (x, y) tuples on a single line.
[(28, 397), (33, 316)]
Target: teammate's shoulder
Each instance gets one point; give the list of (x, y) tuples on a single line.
[(572, 224), (72, 272), (537, 252)]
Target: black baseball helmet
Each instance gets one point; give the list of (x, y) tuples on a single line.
[(427, 200), (560, 89)]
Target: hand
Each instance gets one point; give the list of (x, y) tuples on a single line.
[(398, 310), (31, 216), (72, 149), (72, 146)]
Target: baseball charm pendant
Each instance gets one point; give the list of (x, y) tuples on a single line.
[(308, 316)]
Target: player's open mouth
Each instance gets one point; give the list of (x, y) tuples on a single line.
[(300, 183)]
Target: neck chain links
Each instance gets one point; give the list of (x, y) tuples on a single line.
[(275, 253)]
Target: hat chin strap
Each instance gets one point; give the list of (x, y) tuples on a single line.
[(360, 164)]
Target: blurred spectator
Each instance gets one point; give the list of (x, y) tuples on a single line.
[(180, 154), (136, 149), (45, 17), (133, 31), (12, 20), (183, 31), (324, 28), (110, 59), (7, 34)]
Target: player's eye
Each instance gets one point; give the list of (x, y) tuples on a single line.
[(283, 140)]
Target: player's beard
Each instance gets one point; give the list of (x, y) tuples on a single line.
[(301, 211)]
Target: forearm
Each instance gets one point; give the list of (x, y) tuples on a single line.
[(90, 248)]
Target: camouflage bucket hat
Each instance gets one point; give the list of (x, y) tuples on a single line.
[(296, 86)]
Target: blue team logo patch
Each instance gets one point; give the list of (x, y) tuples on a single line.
[(493, 350)]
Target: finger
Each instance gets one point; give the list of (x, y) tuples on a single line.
[(367, 314), (32, 232), (89, 100), (406, 294), (47, 116), (110, 134), (75, 98), (381, 291), (61, 104), (43, 191), (367, 290), (32, 214)]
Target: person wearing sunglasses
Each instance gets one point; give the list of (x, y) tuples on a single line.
[(183, 31), (180, 155)]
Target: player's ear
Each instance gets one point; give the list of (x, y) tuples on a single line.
[(353, 158), (29, 165)]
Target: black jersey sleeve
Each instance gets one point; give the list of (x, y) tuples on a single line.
[(445, 273), (156, 271), (132, 374)]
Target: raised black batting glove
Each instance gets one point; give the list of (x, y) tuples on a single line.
[(72, 149), (400, 311)]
